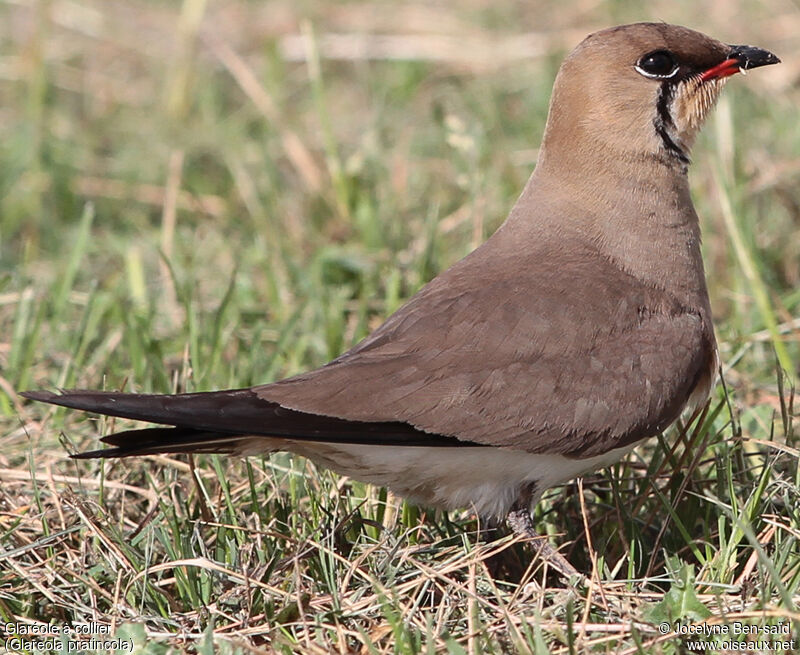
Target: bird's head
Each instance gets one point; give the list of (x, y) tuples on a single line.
[(641, 90)]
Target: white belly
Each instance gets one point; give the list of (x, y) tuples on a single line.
[(488, 480)]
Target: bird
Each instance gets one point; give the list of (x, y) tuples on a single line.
[(577, 330)]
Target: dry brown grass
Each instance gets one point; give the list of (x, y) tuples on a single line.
[(337, 155)]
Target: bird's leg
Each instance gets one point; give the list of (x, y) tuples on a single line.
[(521, 522)]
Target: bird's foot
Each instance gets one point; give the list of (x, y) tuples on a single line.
[(521, 523)]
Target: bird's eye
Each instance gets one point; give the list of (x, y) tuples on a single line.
[(660, 64)]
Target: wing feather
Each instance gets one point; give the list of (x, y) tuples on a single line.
[(577, 359)]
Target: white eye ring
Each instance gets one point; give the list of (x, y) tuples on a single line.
[(653, 76), (655, 63)]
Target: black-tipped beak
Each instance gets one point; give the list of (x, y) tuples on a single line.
[(741, 58), (751, 57)]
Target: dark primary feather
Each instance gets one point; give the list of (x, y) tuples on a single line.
[(216, 421)]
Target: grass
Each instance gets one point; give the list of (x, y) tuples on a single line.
[(216, 195)]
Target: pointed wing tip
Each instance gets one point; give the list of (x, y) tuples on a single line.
[(91, 454), (87, 400), (102, 453), (73, 398), (40, 396)]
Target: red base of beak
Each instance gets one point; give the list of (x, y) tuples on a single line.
[(725, 69)]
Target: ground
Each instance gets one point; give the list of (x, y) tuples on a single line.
[(203, 196)]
